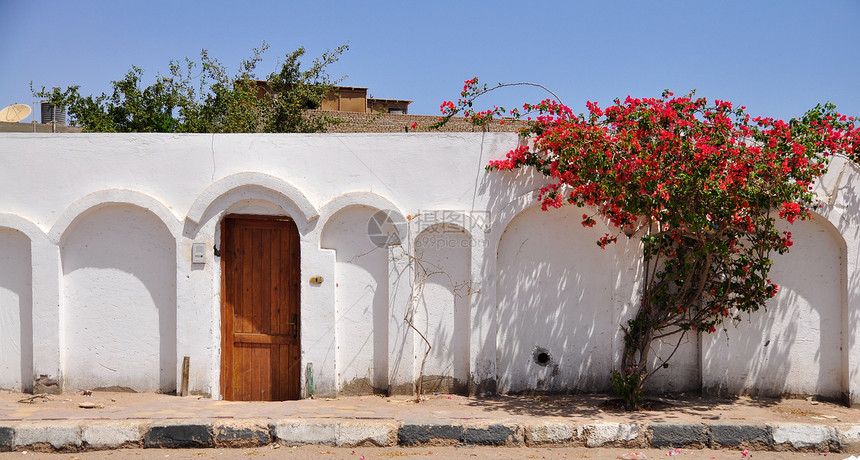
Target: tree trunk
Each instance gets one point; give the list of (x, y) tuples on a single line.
[(637, 347)]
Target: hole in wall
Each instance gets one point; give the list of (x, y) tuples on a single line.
[(541, 356)]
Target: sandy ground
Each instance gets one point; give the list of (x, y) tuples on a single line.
[(573, 408)]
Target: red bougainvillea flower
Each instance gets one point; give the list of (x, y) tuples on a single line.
[(703, 181)]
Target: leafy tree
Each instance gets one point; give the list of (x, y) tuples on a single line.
[(204, 97), (702, 183)]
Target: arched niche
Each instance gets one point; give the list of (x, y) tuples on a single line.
[(361, 296), (555, 303), (794, 347), (442, 305), (119, 300), (16, 311)]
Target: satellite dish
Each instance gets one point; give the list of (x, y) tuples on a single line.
[(15, 113)]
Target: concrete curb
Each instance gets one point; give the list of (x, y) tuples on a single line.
[(612, 434), (7, 438), (679, 435), (111, 435), (334, 433), (69, 436), (180, 435)]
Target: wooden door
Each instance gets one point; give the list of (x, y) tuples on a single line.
[(260, 323)]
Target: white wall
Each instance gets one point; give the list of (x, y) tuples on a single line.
[(555, 297), (794, 347), (442, 306), (97, 287), (684, 372), (119, 301), (16, 312), (361, 301)]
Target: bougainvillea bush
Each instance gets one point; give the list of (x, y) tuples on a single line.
[(700, 182)]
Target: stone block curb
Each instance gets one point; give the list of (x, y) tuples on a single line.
[(179, 435), (679, 435), (848, 435), (354, 434), (334, 433), (53, 435), (7, 438), (61, 435), (611, 434), (112, 434), (803, 437), (551, 433), (740, 435), (411, 433), (496, 434), (294, 432), (241, 434)]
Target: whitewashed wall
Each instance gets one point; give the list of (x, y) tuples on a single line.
[(119, 293), (361, 301), (555, 301), (16, 311), (97, 288), (442, 268)]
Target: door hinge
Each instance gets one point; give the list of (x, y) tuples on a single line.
[(216, 250)]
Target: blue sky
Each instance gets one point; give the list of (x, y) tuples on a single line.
[(779, 58)]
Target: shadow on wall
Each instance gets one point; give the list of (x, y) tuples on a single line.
[(683, 372), (443, 274), (851, 373), (361, 301), (794, 346), (849, 227), (557, 328), (16, 312), (554, 294), (119, 301)]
